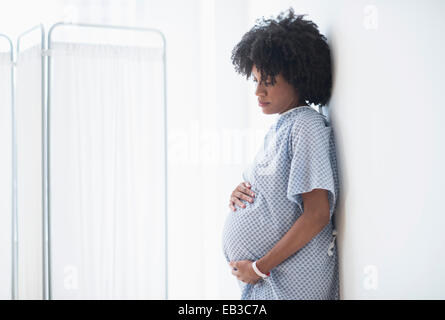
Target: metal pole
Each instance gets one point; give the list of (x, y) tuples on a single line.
[(14, 229), (166, 167), (165, 125)]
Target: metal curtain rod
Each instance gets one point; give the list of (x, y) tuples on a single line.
[(14, 228), (103, 26), (37, 27), (9, 41)]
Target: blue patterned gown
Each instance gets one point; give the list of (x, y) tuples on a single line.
[(298, 155)]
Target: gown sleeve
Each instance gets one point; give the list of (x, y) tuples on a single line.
[(312, 164)]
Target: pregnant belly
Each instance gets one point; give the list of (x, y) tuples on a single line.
[(249, 233)]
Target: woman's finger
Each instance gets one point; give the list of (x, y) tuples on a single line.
[(242, 188), (243, 196), (236, 201), (239, 203), (242, 192), (247, 197), (246, 190), (233, 196)]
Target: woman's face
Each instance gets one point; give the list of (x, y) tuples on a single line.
[(277, 98)]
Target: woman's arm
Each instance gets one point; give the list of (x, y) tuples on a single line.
[(314, 218)]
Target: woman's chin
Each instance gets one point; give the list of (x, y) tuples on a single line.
[(267, 110)]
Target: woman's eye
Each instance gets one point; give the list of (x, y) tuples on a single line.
[(265, 83)]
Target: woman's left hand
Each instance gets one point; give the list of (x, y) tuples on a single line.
[(244, 271)]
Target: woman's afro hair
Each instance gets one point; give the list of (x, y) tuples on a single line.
[(291, 46)]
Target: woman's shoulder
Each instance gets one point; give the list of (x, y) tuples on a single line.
[(309, 118)]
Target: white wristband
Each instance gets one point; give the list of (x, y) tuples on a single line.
[(258, 272)]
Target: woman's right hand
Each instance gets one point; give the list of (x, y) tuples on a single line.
[(243, 192)]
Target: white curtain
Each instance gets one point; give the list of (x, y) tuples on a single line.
[(5, 174), (29, 172), (107, 172)]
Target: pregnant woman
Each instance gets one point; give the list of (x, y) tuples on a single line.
[(279, 237)]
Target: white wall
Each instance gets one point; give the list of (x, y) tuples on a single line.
[(386, 109)]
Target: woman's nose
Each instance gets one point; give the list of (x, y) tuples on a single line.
[(259, 91)]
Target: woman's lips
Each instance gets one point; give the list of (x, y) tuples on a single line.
[(263, 104)]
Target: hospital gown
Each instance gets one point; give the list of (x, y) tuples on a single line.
[(297, 156)]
